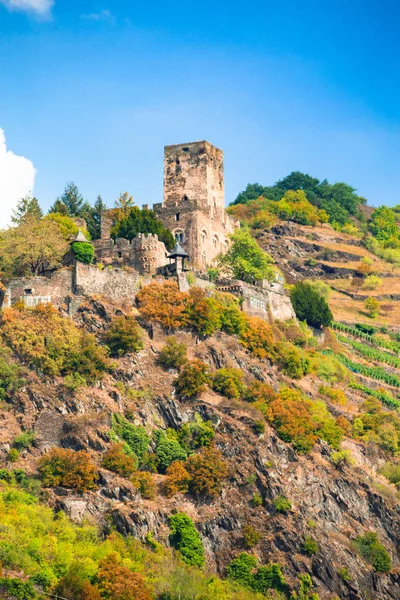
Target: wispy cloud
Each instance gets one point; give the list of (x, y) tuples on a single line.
[(17, 178), (103, 15), (41, 8)]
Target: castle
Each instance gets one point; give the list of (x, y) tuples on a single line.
[(193, 209)]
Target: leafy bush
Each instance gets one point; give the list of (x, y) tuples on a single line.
[(374, 552), (256, 500), (344, 457), (24, 440), (51, 344), (10, 374), (136, 220), (135, 436), (186, 539), (173, 355), (196, 433), (193, 379), (291, 415), (16, 588), (124, 336), (69, 469), (372, 282), (208, 470), (392, 472), (145, 483), (246, 260), (310, 306), (229, 382), (163, 303), (344, 574), (168, 450), (243, 570), (117, 582), (257, 338), (13, 455), (83, 252), (116, 460), (177, 480), (282, 504), (310, 546), (293, 361), (372, 307), (260, 392), (251, 537)]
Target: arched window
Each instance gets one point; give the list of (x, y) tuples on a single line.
[(215, 241), (204, 258), (179, 236), (204, 236)]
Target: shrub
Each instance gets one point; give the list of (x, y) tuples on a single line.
[(144, 482), (343, 457), (293, 361), (83, 252), (168, 450), (374, 552), (186, 539), (392, 472), (196, 433), (229, 382), (344, 574), (10, 374), (51, 344), (74, 381), (208, 470), (365, 268), (16, 588), (282, 504), (372, 307), (177, 480), (13, 455), (117, 582), (260, 392), (135, 436), (173, 355), (24, 440), (75, 586), (124, 336), (193, 379), (251, 537), (256, 500), (310, 546), (163, 303), (116, 460), (69, 469), (291, 415), (257, 338), (372, 282), (310, 306), (246, 260), (241, 569)]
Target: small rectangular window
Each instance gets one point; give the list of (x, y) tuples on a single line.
[(178, 216)]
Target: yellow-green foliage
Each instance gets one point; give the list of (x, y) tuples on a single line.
[(51, 344), (45, 547)]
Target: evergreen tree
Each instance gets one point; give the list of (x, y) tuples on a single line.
[(73, 200), (94, 224), (58, 208), (26, 208), (142, 221), (310, 306)]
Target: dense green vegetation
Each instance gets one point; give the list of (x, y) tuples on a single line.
[(310, 306), (141, 221)]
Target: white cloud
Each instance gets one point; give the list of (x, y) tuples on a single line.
[(17, 178), (39, 7), (103, 15)]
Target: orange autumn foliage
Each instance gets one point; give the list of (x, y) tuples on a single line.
[(163, 303), (116, 582)]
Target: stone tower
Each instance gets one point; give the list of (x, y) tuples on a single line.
[(194, 200)]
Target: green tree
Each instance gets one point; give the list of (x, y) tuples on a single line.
[(83, 252), (58, 208), (72, 200), (27, 208), (310, 306), (186, 539), (125, 203), (246, 260), (383, 223), (94, 218), (142, 221)]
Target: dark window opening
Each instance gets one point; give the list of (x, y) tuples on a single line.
[(28, 291), (185, 198), (179, 237), (178, 216), (185, 149), (119, 254)]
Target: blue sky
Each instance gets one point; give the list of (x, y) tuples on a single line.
[(92, 91)]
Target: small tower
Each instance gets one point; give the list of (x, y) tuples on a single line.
[(177, 254)]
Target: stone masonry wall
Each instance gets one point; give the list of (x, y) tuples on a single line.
[(270, 300), (55, 289), (145, 253), (116, 284)]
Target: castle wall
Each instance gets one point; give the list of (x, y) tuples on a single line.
[(266, 301), (34, 290), (145, 253), (117, 284)]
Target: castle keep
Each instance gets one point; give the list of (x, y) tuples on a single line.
[(194, 200)]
